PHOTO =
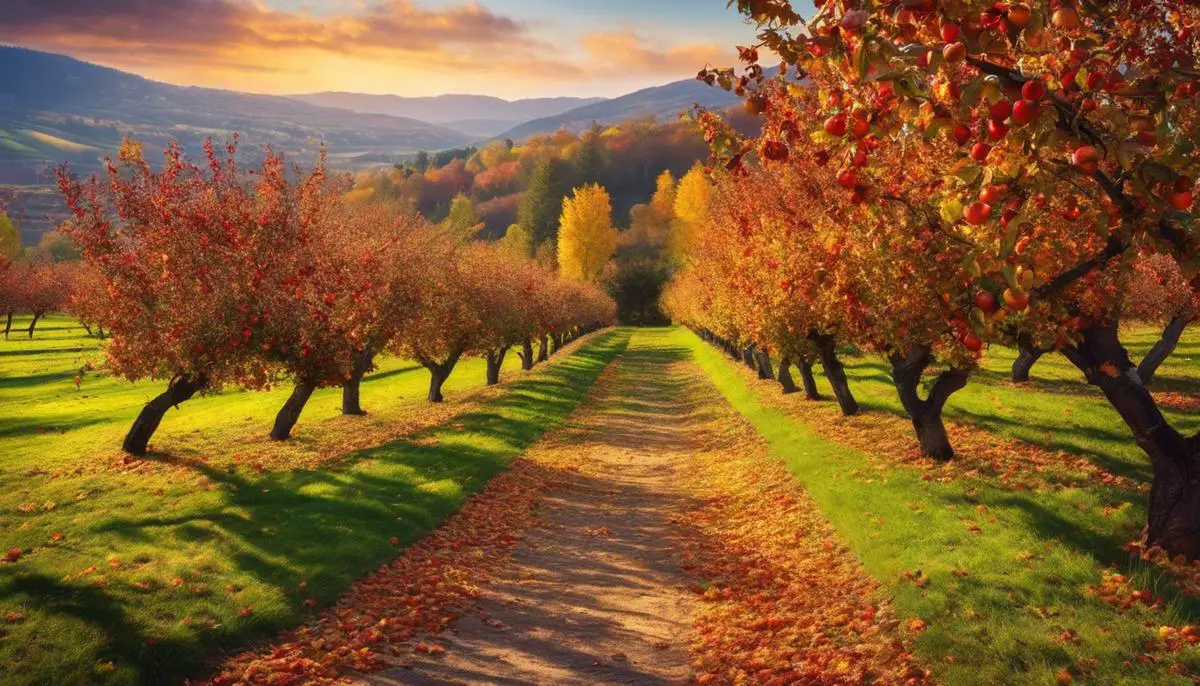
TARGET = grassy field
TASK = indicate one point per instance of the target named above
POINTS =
(1001, 575)
(145, 575)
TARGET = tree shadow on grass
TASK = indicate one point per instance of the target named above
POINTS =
(328, 527)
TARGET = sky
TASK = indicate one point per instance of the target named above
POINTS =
(507, 48)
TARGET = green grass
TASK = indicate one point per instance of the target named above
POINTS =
(236, 538)
(46, 422)
(1027, 570)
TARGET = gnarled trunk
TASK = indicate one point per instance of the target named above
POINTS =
(1027, 356)
(289, 414)
(37, 316)
(835, 372)
(364, 360)
(544, 349)
(926, 414)
(495, 360)
(785, 376)
(762, 359)
(810, 382)
(137, 441)
(526, 354)
(1174, 513)
(1165, 346)
(438, 373)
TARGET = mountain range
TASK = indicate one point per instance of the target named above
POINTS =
(54, 108)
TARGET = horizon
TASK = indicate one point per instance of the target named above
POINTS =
(510, 49)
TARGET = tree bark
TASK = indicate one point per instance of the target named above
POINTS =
(558, 343)
(1026, 358)
(785, 376)
(526, 354)
(495, 360)
(8, 325)
(1165, 346)
(763, 360)
(137, 441)
(810, 382)
(835, 372)
(1174, 512)
(364, 360)
(926, 414)
(289, 414)
(37, 316)
(748, 357)
(544, 349)
(438, 373)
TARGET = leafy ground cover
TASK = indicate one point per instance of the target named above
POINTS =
(1006, 582)
(144, 575)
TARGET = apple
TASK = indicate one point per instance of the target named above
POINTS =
(977, 213)
(1086, 158)
(1034, 90)
(1016, 300)
(950, 32)
(861, 127)
(13, 555)
(962, 134)
(954, 53)
(985, 301)
(1025, 112)
(972, 342)
(994, 193)
(848, 179)
(860, 158)
(1066, 18)
(980, 152)
(836, 125)
(1019, 15)
(1181, 200)
(996, 129)
(1001, 110)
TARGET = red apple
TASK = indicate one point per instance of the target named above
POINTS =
(950, 32)
(978, 213)
(1086, 158)
(985, 301)
(972, 342)
(962, 134)
(1034, 90)
(1001, 110)
(980, 151)
(1025, 112)
(848, 179)
(996, 129)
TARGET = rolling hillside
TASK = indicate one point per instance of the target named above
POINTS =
(475, 115)
(660, 101)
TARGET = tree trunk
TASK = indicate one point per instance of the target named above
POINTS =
(1026, 358)
(137, 441)
(289, 414)
(495, 360)
(438, 373)
(37, 316)
(87, 327)
(1174, 512)
(835, 372)
(526, 354)
(351, 402)
(8, 325)
(810, 382)
(748, 357)
(785, 376)
(1165, 346)
(763, 360)
(544, 349)
(926, 414)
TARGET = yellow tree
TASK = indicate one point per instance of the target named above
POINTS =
(10, 239)
(586, 237)
(692, 198)
(517, 241)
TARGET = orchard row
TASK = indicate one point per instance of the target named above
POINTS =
(209, 275)
(934, 177)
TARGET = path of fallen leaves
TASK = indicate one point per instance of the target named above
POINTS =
(652, 540)
(783, 600)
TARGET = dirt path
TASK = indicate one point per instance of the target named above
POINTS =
(595, 593)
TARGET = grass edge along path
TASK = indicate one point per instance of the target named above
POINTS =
(992, 593)
(275, 546)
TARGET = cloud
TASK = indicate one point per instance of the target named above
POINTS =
(372, 45)
(624, 51)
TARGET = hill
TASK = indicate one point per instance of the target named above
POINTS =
(474, 115)
(660, 101)
(55, 108)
